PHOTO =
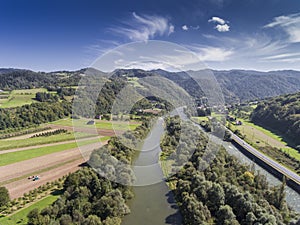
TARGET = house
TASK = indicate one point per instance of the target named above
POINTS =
(238, 123)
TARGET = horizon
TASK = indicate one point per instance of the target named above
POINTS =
(148, 70)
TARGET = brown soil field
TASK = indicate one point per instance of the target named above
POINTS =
(101, 132)
(16, 170)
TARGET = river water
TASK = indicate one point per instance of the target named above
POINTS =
(153, 203)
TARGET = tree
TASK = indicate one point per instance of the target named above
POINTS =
(65, 219)
(113, 221)
(4, 196)
(216, 197)
(92, 220)
(281, 194)
(225, 215)
(34, 218)
(227, 136)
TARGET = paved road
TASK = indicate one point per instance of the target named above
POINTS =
(286, 172)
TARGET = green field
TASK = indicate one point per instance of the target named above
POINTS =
(218, 116)
(199, 119)
(258, 136)
(13, 157)
(100, 124)
(20, 217)
(134, 81)
(11, 144)
(20, 97)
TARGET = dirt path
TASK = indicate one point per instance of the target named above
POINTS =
(44, 145)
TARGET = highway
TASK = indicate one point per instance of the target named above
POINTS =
(283, 170)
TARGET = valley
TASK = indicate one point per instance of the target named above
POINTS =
(61, 146)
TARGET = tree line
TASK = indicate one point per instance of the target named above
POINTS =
(46, 97)
(34, 114)
(13, 79)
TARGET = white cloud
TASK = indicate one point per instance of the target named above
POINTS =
(217, 20)
(185, 27)
(290, 24)
(171, 29)
(223, 28)
(211, 54)
(145, 27)
(282, 56)
(286, 57)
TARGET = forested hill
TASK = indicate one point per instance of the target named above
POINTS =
(243, 85)
(11, 79)
(280, 114)
(237, 85)
(249, 85)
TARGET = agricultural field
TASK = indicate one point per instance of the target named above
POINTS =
(12, 144)
(199, 119)
(18, 156)
(50, 156)
(260, 137)
(99, 124)
(20, 217)
(19, 97)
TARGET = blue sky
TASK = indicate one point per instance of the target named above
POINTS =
(224, 34)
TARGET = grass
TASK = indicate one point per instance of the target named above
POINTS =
(261, 137)
(166, 166)
(10, 144)
(13, 157)
(253, 106)
(218, 116)
(20, 217)
(100, 124)
(20, 97)
(198, 119)
(265, 131)
(134, 81)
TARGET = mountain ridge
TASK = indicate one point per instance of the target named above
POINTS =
(236, 85)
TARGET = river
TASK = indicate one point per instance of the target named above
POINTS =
(154, 203)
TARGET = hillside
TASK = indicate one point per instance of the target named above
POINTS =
(241, 85)
(236, 85)
(12, 79)
(249, 85)
(281, 114)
